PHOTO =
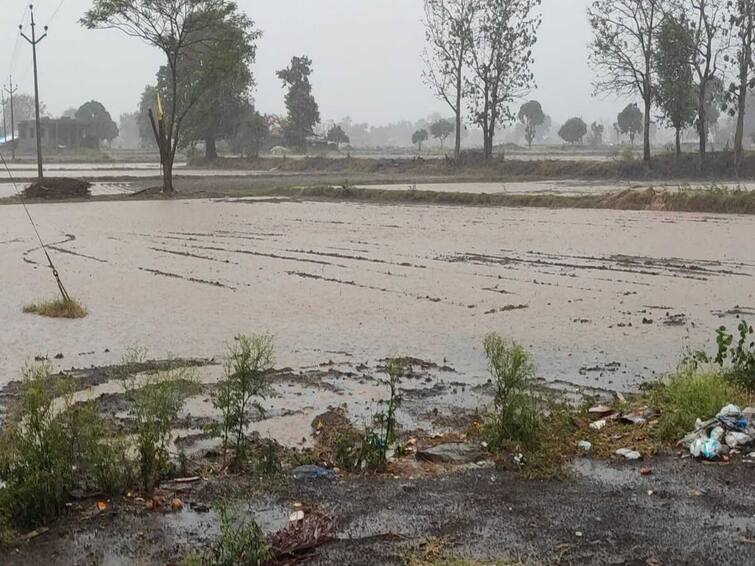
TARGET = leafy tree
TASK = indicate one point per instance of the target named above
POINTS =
(228, 61)
(622, 50)
(596, 134)
(419, 137)
(501, 59)
(303, 111)
(573, 130)
(337, 135)
(146, 133)
(441, 129)
(448, 29)
(531, 115)
(100, 125)
(675, 94)
(128, 130)
(630, 121)
(251, 133)
(183, 30)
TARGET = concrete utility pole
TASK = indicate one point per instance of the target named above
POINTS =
(5, 127)
(11, 90)
(34, 41)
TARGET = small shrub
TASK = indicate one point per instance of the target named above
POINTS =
(241, 542)
(268, 459)
(155, 404)
(736, 360)
(691, 394)
(58, 308)
(247, 380)
(35, 456)
(514, 416)
(379, 437)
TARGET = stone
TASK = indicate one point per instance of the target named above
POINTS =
(452, 453)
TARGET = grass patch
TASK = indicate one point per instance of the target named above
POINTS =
(691, 394)
(58, 308)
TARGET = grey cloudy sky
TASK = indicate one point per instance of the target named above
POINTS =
(366, 53)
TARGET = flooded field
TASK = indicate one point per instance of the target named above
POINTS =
(603, 298)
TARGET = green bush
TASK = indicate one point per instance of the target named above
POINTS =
(691, 394)
(241, 542)
(248, 366)
(35, 455)
(155, 402)
(514, 416)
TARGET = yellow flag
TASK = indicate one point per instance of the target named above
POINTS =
(159, 107)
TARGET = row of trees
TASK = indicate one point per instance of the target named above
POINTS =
(675, 55)
(479, 59)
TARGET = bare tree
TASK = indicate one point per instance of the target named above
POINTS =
(182, 30)
(448, 29)
(504, 32)
(742, 20)
(711, 38)
(622, 50)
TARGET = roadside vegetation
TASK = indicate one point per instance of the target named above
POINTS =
(58, 308)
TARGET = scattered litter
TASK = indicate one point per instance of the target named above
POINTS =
(312, 472)
(629, 454)
(176, 505)
(646, 471)
(602, 410)
(452, 453)
(296, 516)
(102, 505)
(584, 445)
(578, 534)
(732, 428)
(599, 424)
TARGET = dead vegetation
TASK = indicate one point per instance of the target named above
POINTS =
(58, 188)
(58, 308)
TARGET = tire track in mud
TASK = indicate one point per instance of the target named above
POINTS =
(356, 258)
(269, 255)
(187, 278)
(191, 255)
(312, 276)
(656, 267)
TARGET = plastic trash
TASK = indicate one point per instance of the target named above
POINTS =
(597, 425)
(734, 439)
(729, 411)
(629, 454)
(312, 472)
(584, 445)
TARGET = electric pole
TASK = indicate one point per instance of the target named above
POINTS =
(11, 90)
(5, 127)
(34, 41)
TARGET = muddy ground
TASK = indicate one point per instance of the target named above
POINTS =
(686, 512)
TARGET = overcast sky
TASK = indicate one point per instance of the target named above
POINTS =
(366, 55)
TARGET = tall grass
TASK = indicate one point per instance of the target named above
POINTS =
(57, 308)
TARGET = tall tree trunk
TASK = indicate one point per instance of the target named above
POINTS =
(210, 149)
(646, 136)
(678, 143)
(168, 173)
(744, 71)
(459, 87)
(702, 123)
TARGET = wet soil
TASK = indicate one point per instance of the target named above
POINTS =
(685, 512)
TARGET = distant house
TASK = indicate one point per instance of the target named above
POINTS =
(56, 133)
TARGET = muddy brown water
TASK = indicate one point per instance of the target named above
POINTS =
(354, 282)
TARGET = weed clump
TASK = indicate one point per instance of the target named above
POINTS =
(514, 416)
(690, 394)
(246, 382)
(48, 448)
(155, 402)
(58, 308)
(241, 542)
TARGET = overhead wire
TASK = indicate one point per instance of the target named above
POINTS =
(55, 274)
